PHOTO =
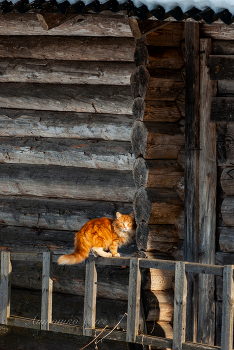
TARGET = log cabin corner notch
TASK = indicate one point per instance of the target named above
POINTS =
(89, 99)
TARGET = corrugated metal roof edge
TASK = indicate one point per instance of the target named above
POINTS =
(142, 12)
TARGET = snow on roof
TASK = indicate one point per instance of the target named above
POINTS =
(207, 10)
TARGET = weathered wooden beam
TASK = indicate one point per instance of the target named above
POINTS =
(148, 26)
(227, 210)
(171, 36)
(222, 47)
(221, 67)
(222, 109)
(226, 239)
(158, 111)
(179, 306)
(227, 312)
(68, 48)
(47, 288)
(81, 25)
(65, 72)
(227, 182)
(157, 140)
(191, 175)
(156, 206)
(67, 152)
(165, 57)
(66, 182)
(160, 89)
(52, 214)
(51, 20)
(5, 290)
(133, 300)
(89, 318)
(207, 199)
(156, 173)
(26, 122)
(217, 31)
(73, 98)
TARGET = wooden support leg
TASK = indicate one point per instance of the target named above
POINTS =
(5, 291)
(47, 287)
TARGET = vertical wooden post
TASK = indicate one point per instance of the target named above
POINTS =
(90, 296)
(47, 287)
(5, 291)
(191, 180)
(134, 290)
(180, 297)
(228, 306)
(207, 199)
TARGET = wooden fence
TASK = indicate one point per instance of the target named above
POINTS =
(131, 335)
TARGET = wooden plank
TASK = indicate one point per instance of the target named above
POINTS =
(156, 173)
(193, 346)
(163, 89)
(98, 154)
(73, 98)
(222, 47)
(207, 199)
(65, 72)
(26, 122)
(191, 172)
(68, 48)
(90, 297)
(27, 257)
(5, 290)
(23, 322)
(171, 35)
(47, 288)
(154, 341)
(66, 182)
(154, 140)
(164, 57)
(65, 328)
(133, 301)
(222, 109)
(228, 305)
(221, 67)
(81, 25)
(156, 206)
(63, 214)
(217, 31)
(179, 306)
(158, 111)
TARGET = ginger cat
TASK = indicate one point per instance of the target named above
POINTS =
(100, 235)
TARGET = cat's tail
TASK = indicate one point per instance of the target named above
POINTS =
(74, 258)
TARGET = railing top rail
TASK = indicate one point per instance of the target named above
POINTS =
(216, 270)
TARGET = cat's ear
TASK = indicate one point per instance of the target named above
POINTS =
(118, 215)
(132, 215)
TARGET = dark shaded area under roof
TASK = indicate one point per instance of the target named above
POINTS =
(143, 13)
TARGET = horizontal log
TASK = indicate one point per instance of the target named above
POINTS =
(23, 123)
(221, 67)
(112, 281)
(157, 140)
(170, 35)
(66, 182)
(218, 31)
(224, 258)
(157, 206)
(226, 239)
(74, 98)
(164, 57)
(222, 47)
(163, 89)
(227, 181)
(52, 214)
(227, 210)
(65, 72)
(167, 74)
(82, 25)
(67, 152)
(156, 173)
(68, 48)
(222, 109)
(158, 111)
(156, 237)
(225, 88)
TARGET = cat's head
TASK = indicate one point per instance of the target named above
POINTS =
(125, 223)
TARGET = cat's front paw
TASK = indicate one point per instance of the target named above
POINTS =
(108, 255)
(117, 255)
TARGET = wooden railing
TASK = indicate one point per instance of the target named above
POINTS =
(131, 335)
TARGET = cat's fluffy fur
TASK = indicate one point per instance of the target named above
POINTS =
(99, 236)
